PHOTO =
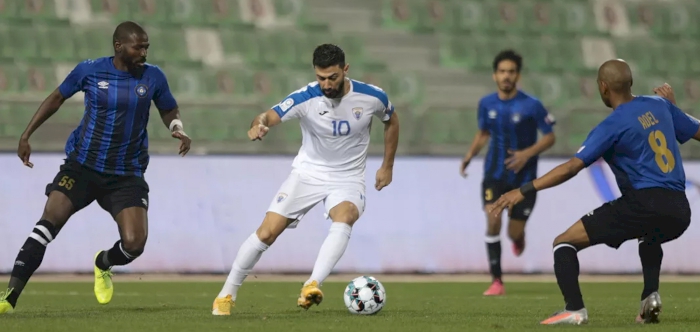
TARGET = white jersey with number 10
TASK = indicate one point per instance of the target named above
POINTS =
(335, 132)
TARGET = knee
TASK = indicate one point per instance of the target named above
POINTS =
(134, 244)
(58, 209)
(266, 235)
(272, 226)
(349, 217)
(516, 235)
(346, 213)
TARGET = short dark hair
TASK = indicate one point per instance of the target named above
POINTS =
(328, 55)
(125, 30)
(508, 55)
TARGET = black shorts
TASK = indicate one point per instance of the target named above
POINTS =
(114, 193)
(491, 190)
(653, 215)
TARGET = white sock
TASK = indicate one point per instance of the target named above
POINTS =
(250, 252)
(332, 249)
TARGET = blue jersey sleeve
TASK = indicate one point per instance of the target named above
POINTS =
(599, 140)
(162, 97)
(74, 81)
(482, 113)
(545, 121)
(685, 125)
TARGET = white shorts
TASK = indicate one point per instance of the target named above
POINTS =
(300, 193)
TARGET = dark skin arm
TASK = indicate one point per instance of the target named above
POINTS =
(168, 116)
(391, 143)
(47, 108)
(555, 177)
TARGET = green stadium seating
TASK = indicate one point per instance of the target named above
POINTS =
(118, 10)
(261, 63)
(579, 123)
(56, 42)
(9, 79)
(577, 17)
(37, 11)
(447, 126)
(542, 16)
(37, 78)
(93, 42)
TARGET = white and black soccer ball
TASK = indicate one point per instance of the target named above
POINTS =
(365, 296)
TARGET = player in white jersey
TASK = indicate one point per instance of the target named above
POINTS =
(335, 114)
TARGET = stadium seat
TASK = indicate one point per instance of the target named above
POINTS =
(231, 82)
(402, 14)
(38, 78)
(93, 42)
(15, 117)
(579, 123)
(542, 16)
(37, 11)
(639, 53)
(168, 44)
(158, 12)
(471, 16)
(9, 79)
(448, 126)
(23, 40)
(653, 16)
(118, 10)
(56, 42)
(191, 82)
(508, 16)
(577, 17)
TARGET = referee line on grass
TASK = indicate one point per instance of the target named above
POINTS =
(393, 278)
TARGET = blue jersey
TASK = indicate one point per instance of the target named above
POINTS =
(112, 136)
(513, 125)
(638, 141)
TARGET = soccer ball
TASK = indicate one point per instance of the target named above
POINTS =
(365, 296)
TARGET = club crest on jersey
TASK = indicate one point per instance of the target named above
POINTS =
(516, 118)
(357, 112)
(281, 197)
(141, 90)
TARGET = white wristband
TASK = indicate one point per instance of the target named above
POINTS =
(174, 123)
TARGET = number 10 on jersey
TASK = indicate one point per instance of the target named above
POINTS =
(341, 128)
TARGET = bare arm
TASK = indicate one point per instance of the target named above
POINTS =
(391, 140)
(542, 145)
(47, 108)
(559, 174)
(262, 123)
(269, 118)
(480, 140)
(169, 115)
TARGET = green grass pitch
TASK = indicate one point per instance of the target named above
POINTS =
(271, 306)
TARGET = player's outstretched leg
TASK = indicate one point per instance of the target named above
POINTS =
(344, 215)
(56, 213)
(493, 248)
(248, 255)
(566, 269)
(133, 228)
(651, 254)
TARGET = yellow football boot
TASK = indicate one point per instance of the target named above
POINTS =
(5, 307)
(103, 284)
(310, 295)
(222, 306)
